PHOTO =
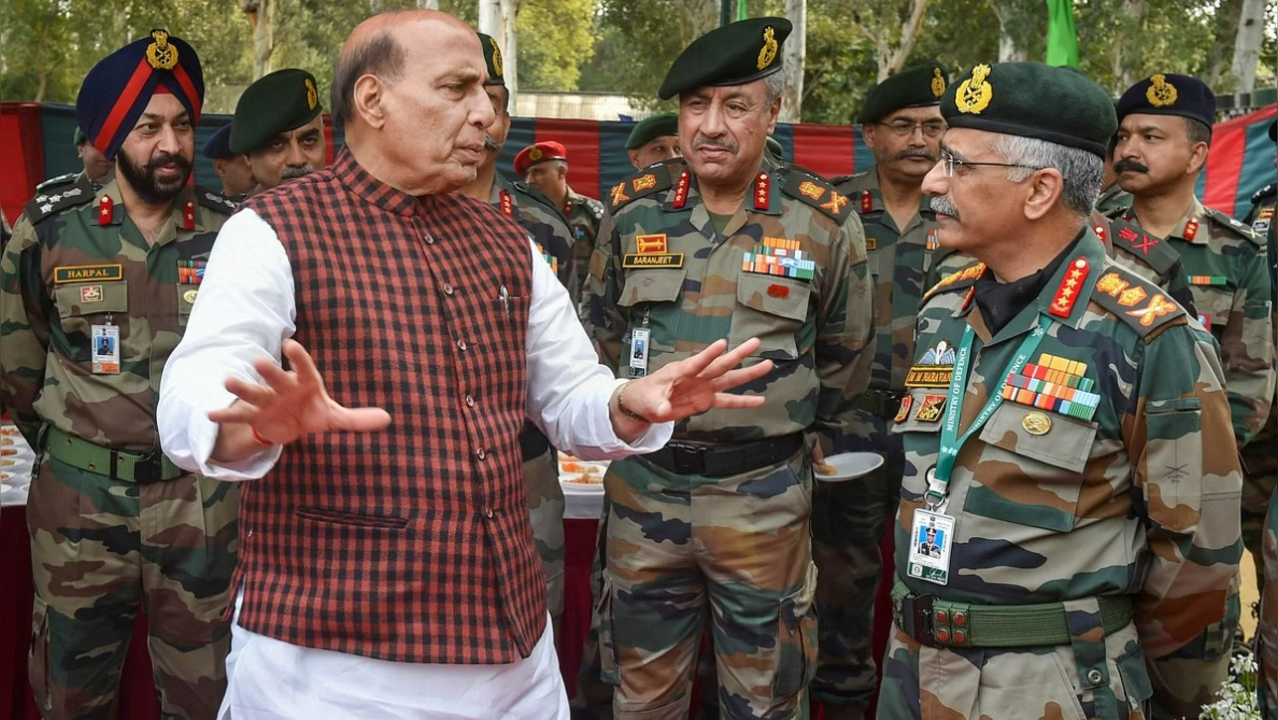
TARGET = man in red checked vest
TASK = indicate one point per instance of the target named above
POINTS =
(95, 292)
(392, 572)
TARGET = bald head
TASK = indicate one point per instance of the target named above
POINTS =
(408, 90)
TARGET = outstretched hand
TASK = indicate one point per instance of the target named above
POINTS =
(293, 403)
(697, 384)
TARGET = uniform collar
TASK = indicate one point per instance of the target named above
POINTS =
(763, 197)
(868, 197)
(108, 205)
(1190, 228)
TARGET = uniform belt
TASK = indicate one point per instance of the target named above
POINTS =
(940, 623)
(883, 403)
(139, 468)
(723, 460)
(533, 443)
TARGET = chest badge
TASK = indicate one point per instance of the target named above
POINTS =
(1036, 423)
(930, 409)
(1056, 384)
(934, 369)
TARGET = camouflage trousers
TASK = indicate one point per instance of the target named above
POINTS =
(1267, 628)
(1093, 677)
(677, 544)
(1260, 477)
(848, 520)
(546, 510)
(171, 546)
(1191, 677)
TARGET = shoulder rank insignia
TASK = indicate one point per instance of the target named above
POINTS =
(1067, 293)
(1222, 220)
(966, 277)
(1261, 194)
(56, 181)
(506, 204)
(1159, 255)
(818, 193)
(45, 204)
(648, 181)
(214, 200)
(1140, 304)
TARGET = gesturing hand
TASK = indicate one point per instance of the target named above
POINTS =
(697, 384)
(293, 403)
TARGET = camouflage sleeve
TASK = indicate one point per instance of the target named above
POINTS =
(1189, 481)
(1267, 629)
(1247, 351)
(607, 317)
(25, 310)
(845, 329)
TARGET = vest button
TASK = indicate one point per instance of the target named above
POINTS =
(461, 344)
(470, 401)
(488, 513)
(448, 289)
(481, 454)
(430, 239)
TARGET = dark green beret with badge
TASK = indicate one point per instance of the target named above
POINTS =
(914, 86)
(651, 128)
(734, 54)
(1170, 94)
(1056, 104)
(281, 101)
(492, 58)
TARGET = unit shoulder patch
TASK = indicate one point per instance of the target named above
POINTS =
(1153, 251)
(215, 201)
(818, 192)
(45, 205)
(649, 181)
(960, 279)
(1137, 302)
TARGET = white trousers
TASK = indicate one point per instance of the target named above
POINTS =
(273, 680)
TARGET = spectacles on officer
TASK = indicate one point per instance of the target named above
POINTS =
(949, 162)
(904, 128)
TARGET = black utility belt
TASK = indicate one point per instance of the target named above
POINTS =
(686, 458)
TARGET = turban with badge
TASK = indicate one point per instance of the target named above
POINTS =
(914, 86)
(734, 54)
(1170, 94)
(281, 101)
(1056, 104)
(117, 89)
(493, 59)
(218, 146)
(539, 153)
(651, 128)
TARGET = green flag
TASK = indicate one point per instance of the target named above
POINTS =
(1062, 40)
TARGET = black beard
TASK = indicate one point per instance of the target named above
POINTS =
(143, 180)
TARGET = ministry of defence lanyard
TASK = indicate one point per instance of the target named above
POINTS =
(938, 478)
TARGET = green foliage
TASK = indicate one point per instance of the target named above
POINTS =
(556, 38)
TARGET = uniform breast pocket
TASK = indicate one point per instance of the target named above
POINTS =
(1214, 305)
(772, 309)
(1049, 452)
(187, 295)
(652, 297)
(82, 306)
(919, 419)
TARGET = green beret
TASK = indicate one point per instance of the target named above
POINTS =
(912, 87)
(492, 57)
(80, 137)
(281, 101)
(651, 128)
(1056, 104)
(734, 54)
(1170, 94)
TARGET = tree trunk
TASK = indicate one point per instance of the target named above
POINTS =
(1247, 46)
(793, 59)
(909, 33)
(1225, 28)
(1009, 48)
(259, 14)
(1134, 17)
(510, 49)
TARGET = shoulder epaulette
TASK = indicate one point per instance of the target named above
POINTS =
(44, 205)
(840, 179)
(1231, 224)
(1264, 192)
(1154, 251)
(960, 279)
(215, 200)
(649, 181)
(1116, 212)
(537, 197)
(816, 191)
(56, 181)
(1139, 303)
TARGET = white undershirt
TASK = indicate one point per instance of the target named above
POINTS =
(246, 310)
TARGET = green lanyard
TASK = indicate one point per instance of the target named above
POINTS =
(939, 477)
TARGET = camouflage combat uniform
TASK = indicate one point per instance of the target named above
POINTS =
(547, 229)
(848, 518)
(1067, 527)
(584, 215)
(1260, 464)
(1113, 198)
(726, 532)
(112, 521)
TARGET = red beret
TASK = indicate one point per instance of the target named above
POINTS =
(539, 153)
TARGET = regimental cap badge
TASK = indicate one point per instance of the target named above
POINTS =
(975, 93)
(534, 154)
(160, 54)
(938, 83)
(769, 51)
(312, 94)
(497, 62)
(1160, 92)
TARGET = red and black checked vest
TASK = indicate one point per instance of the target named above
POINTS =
(412, 544)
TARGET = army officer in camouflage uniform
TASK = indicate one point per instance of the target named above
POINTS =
(726, 244)
(95, 291)
(902, 125)
(547, 229)
(279, 127)
(1077, 466)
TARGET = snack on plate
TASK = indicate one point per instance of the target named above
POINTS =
(7, 462)
(5, 476)
(8, 451)
(823, 469)
(572, 467)
(11, 431)
(6, 441)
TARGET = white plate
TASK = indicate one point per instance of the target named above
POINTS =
(6, 487)
(850, 466)
(572, 488)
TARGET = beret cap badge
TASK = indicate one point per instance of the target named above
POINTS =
(497, 61)
(534, 154)
(938, 83)
(160, 54)
(1160, 92)
(312, 94)
(975, 93)
(769, 51)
